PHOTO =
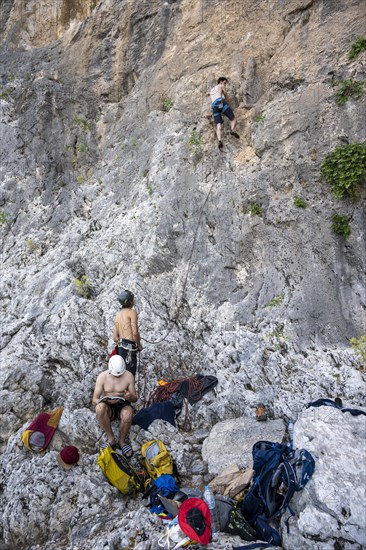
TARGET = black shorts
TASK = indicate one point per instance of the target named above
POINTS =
(220, 107)
(129, 357)
(116, 408)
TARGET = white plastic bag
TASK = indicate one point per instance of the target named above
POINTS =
(174, 537)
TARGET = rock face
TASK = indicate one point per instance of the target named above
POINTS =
(329, 509)
(111, 178)
(231, 442)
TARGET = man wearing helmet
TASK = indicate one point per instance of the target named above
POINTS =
(126, 333)
(113, 394)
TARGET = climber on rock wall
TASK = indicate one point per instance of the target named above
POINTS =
(219, 107)
(126, 333)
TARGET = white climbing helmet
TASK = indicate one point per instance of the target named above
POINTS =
(116, 365)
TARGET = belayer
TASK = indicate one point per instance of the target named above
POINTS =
(126, 333)
(221, 107)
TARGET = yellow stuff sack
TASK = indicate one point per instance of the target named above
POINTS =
(118, 471)
(156, 459)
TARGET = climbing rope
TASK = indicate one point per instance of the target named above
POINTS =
(173, 320)
(175, 317)
(164, 393)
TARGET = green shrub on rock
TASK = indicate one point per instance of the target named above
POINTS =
(341, 225)
(276, 301)
(255, 209)
(345, 169)
(300, 202)
(359, 346)
(83, 287)
(357, 47)
(348, 89)
(167, 104)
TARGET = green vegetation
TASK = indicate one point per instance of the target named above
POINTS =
(300, 203)
(5, 94)
(80, 179)
(348, 89)
(255, 209)
(195, 139)
(83, 287)
(305, 19)
(82, 123)
(276, 301)
(194, 144)
(341, 225)
(277, 333)
(134, 143)
(82, 148)
(4, 217)
(357, 47)
(260, 118)
(279, 339)
(93, 5)
(32, 246)
(167, 104)
(149, 188)
(344, 169)
(284, 223)
(359, 347)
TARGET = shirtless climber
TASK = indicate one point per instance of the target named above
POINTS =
(126, 333)
(219, 107)
(113, 394)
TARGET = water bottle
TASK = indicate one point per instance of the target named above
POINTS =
(209, 498)
(291, 433)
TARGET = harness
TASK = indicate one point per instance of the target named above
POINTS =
(218, 103)
(127, 344)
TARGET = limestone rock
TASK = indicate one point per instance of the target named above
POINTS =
(231, 442)
(330, 508)
(111, 179)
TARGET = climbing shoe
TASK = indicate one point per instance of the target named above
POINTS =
(220, 145)
(234, 134)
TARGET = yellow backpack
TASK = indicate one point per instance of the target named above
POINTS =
(118, 470)
(156, 459)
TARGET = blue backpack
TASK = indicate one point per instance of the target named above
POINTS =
(280, 471)
(164, 485)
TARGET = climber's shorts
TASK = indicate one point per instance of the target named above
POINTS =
(115, 409)
(220, 107)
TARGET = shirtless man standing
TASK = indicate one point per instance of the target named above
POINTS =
(126, 333)
(219, 107)
(113, 394)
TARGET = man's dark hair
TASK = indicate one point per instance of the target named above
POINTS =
(222, 79)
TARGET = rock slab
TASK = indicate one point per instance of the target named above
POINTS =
(231, 441)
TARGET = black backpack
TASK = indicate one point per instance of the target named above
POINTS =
(280, 471)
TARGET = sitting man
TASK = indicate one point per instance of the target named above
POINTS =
(126, 333)
(113, 394)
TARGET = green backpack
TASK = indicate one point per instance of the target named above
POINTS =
(156, 459)
(118, 470)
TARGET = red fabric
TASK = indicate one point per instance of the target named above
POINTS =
(40, 431)
(184, 525)
(70, 454)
